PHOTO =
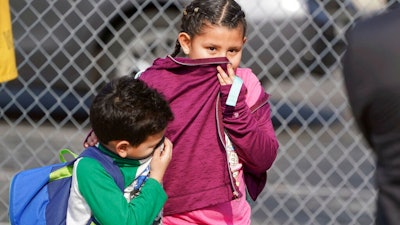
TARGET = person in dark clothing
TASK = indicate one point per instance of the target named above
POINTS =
(371, 71)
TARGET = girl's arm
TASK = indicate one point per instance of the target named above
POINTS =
(252, 133)
(90, 140)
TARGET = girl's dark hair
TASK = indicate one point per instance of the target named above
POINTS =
(227, 13)
(127, 109)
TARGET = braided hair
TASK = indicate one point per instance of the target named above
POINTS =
(198, 13)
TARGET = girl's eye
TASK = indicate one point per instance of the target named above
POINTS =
(211, 48)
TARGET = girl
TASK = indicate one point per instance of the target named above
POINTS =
(223, 136)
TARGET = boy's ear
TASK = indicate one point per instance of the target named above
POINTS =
(121, 148)
(184, 41)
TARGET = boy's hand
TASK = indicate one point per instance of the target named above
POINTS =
(223, 77)
(160, 160)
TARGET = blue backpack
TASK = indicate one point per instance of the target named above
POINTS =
(39, 196)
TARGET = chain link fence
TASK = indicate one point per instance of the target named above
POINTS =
(66, 50)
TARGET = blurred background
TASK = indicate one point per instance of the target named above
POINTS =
(66, 50)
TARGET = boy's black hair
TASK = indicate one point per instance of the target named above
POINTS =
(127, 109)
(198, 13)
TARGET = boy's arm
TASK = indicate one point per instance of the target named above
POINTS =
(107, 202)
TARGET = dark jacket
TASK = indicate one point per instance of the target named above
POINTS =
(371, 68)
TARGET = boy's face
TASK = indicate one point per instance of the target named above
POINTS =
(217, 41)
(146, 148)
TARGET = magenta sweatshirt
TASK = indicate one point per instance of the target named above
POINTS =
(198, 175)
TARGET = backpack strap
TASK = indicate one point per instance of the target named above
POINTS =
(64, 152)
(107, 162)
(109, 165)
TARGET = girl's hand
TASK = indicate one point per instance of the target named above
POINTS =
(223, 77)
(91, 139)
(160, 161)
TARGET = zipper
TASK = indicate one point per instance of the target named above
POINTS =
(253, 109)
(261, 104)
(231, 179)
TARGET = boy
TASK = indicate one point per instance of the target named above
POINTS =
(129, 120)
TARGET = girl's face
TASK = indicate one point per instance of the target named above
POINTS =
(215, 41)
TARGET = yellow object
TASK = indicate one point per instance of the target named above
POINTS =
(8, 67)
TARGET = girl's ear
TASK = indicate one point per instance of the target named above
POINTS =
(121, 148)
(184, 41)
